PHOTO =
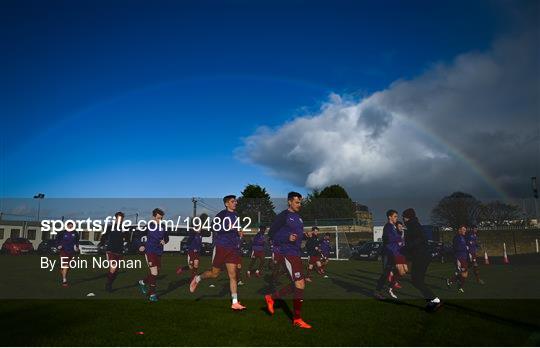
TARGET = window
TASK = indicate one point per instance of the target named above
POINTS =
(15, 232)
(45, 235)
(85, 235)
(31, 234)
(1, 233)
(97, 236)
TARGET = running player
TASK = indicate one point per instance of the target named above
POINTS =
(399, 259)
(472, 244)
(67, 242)
(287, 232)
(314, 253)
(194, 243)
(239, 265)
(461, 253)
(325, 253)
(226, 251)
(389, 238)
(113, 238)
(156, 238)
(257, 252)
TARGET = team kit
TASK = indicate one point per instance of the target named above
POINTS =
(285, 237)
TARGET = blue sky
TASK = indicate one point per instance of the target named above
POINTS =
(152, 99)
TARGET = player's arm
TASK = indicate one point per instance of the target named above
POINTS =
(278, 222)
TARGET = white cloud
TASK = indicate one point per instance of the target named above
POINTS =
(406, 139)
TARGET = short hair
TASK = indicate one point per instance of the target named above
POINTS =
(262, 228)
(327, 234)
(157, 211)
(228, 198)
(391, 212)
(474, 226)
(119, 213)
(462, 225)
(314, 228)
(293, 194)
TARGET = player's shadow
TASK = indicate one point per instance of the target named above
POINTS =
(96, 277)
(491, 317)
(222, 293)
(174, 285)
(280, 304)
(350, 287)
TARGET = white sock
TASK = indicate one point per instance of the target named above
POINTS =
(436, 300)
(234, 298)
(197, 278)
(64, 280)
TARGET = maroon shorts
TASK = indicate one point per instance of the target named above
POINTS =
(462, 264)
(114, 256)
(65, 257)
(192, 256)
(293, 265)
(277, 258)
(257, 254)
(223, 256)
(313, 259)
(400, 260)
(153, 260)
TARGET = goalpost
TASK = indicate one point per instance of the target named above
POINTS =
(339, 240)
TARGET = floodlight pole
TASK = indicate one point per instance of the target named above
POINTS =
(535, 197)
(39, 197)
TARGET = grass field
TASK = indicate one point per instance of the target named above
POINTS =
(35, 310)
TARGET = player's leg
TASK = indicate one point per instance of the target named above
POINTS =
(194, 268)
(64, 267)
(293, 265)
(218, 261)
(184, 268)
(252, 262)
(260, 264)
(239, 274)
(232, 271)
(112, 273)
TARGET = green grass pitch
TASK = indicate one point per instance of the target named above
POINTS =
(35, 310)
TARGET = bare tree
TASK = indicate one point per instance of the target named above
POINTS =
(499, 213)
(457, 209)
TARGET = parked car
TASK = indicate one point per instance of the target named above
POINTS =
(369, 251)
(207, 248)
(87, 247)
(47, 247)
(102, 247)
(439, 251)
(358, 245)
(17, 246)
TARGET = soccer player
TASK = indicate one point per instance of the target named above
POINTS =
(325, 253)
(156, 238)
(472, 244)
(257, 252)
(67, 242)
(114, 237)
(461, 253)
(239, 265)
(399, 258)
(287, 232)
(314, 253)
(194, 243)
(390, 237)
(417, 252)
(226, 250)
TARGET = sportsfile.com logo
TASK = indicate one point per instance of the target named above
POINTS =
(189, 223)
